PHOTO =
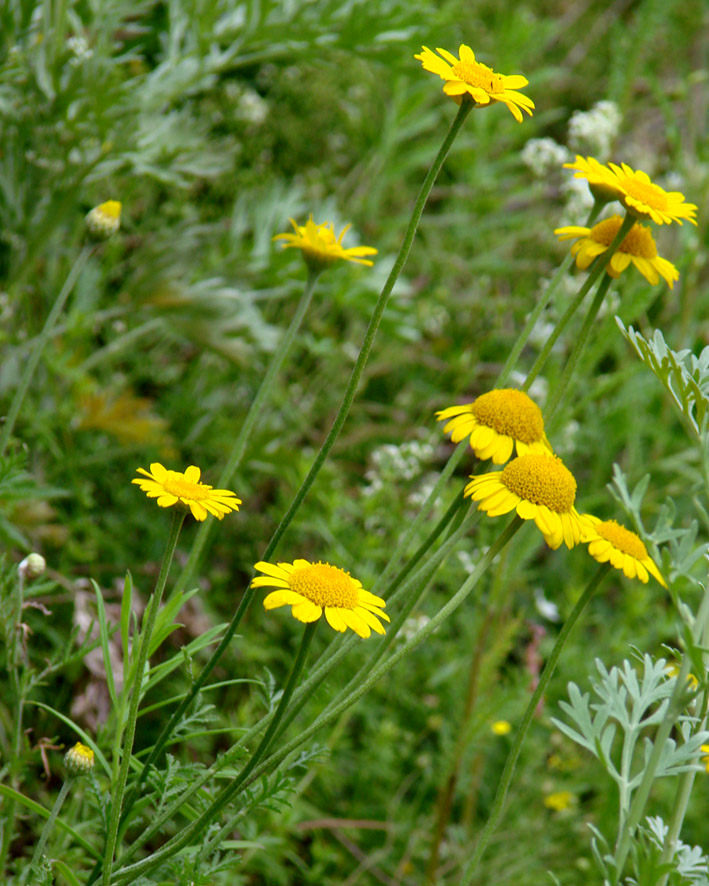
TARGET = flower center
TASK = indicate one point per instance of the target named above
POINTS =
(175, 484)
(325, 585)
(542, 480)
(510, 412)
(621, 538)
(647, 192)
(477, 74)
(638, 241)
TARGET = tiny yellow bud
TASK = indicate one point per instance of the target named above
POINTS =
(79, 760)
(104, 220)
(501, 727)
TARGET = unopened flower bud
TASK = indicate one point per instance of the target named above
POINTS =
(104, 219)
(32, 566)
(79, 760)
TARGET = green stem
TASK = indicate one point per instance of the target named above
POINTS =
(536, 313)
(335, 709)
(49, 823)
(142, 660)
(506, 777)
(253, 415)
(598, 268)
(362, 358)
(579, 345)
(43, 338)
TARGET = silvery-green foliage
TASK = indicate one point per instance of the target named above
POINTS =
(628, 703)
(688, 865)
(685, 376)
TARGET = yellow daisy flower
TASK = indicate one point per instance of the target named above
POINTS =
(538, 487)
(171, 487)
(602, 182)
(560, 800)
(501, 727)
(498, 422)
(608, 541)
(320, 246)
(466, 76)
(641, 196)
(310, 588)
(637, 247)
(672, 670)
(705, 760)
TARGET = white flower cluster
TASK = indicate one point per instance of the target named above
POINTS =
(391, 464)
(80, 49)
(542, 155)
(594, 131)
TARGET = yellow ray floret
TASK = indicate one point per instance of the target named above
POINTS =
(637, 248)
(609, 542)
(173, 487)
(497, 423)
(313, 588)
(538, 487)
(321, 248)
(467, 76)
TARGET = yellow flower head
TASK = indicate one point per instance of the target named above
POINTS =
(466, 76)
(672, 670)
(637, 247)
(501, 727)
(646, 200)
(603, 184)
(171, 487)
(498, 422)
(705, 760)
(608, 541)
(560, 800)
(104, 220)
(79, 760)
(309, 588)
(321, 248)
(538, 487)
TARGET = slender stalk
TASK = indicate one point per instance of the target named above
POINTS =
(507, 773)
(178, 517)
(252, 416)
(42, 339)
(49, 823)
(336, 708)
(362, 358)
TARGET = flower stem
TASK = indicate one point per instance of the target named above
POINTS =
(362, 358)
(507, 773)
(255, 411)
(142, 659)
(42, 339)
(49, 823)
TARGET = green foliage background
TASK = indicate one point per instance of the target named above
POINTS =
(213, 123)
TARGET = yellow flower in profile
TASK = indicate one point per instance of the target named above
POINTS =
(321, 248)
(501, 727)
(498, 422)
(538, 487)
(608, 541)
(171, 487)
(104, 220)
(672, 670)
(705, 760)
(79, 759)
(466, 76)
(601, 180)
(309, 588)
(560, 800)
(644, 199)
(637, 247)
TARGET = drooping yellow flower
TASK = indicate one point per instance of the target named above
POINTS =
(79, 759)
(560, 800)
(635, 190)
(171, 487)
(498, 422)
(309, 588)
(501, 727)
(608, 541)
(466, 76)
(104, 220)
(644, 199)
(538, 487)
(321, 248)
(637, 247)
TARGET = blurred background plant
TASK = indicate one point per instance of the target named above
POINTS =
(212, 123)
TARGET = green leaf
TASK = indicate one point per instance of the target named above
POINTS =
(103, 633)
(85, 738)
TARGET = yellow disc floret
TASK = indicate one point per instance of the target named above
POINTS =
(510, 412)
(621, 538)
(541, 480)
(325, 585)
